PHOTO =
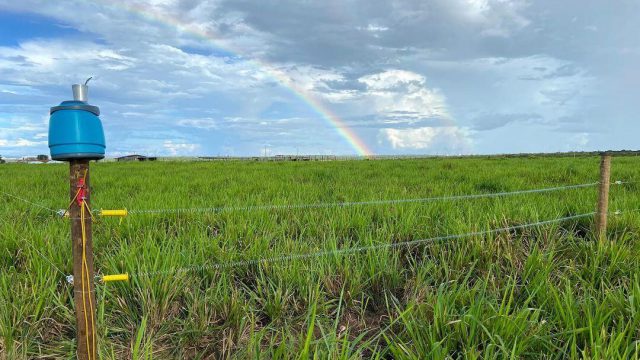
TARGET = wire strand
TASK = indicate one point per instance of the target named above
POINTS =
(335, 204)
(45, 258)
(357, 203)
(351, 250)
(27, 201)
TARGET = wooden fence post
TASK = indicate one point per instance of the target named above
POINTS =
(603, 195)
(83, 275)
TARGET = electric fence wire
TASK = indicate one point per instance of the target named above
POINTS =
(339, 251)
(357, 203)
(62, 212)
(28, 201)
(46, 259)
(291, 257)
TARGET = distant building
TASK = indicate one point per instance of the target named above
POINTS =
(136, 157)
(35, 159)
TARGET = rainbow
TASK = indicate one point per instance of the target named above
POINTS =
(305, 96)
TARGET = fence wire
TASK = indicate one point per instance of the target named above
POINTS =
(351, 250)
(46, 259)
(344, 251)
(357, 203)
(219, 209)
(27, 201)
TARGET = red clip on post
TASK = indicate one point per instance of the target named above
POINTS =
(82, 192)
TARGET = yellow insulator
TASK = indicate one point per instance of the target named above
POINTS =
(121, 213)
(117, 277)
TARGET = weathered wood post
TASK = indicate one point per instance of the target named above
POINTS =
(76, 136)
(603, 195)
(83, 272)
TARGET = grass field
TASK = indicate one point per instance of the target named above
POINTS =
(548, 292)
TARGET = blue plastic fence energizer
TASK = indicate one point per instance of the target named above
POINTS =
(75, 130)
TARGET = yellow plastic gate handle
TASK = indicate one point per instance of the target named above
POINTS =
(117, 277)
(121, 213)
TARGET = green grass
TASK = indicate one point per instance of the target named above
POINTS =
(548, 292)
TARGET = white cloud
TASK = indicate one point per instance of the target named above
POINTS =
(180, 148)
(450, 139)
(401, 94)
(376, 28)
(390, 96)
(392, 79)
(316, 81)
(159, 84)
(495, 18)
(36, 62)
(205, 123)
(548, 87)
(579, 141)
(20, 143)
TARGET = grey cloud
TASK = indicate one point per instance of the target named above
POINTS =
(493, 121)
(578, 123)
(559, 97)
(566, 70)
(338, 35)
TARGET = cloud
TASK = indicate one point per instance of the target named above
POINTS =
(493, 18)
(374, 28)
(20, 143)
(205, 123)
(578, 125)
(448, 139)
(182, 148)
(35, 62)
(394, 65)
(159, 84)
(327, 84)
(493, 121)
(392, 96)
(492, 92)
(362, 31)
(401, 94)
(580, 140)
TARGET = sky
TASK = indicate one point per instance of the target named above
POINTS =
(348, 77)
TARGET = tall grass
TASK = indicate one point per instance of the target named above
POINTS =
(552, 291)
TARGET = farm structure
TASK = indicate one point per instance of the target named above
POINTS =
(136, 157)
(35, 159)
